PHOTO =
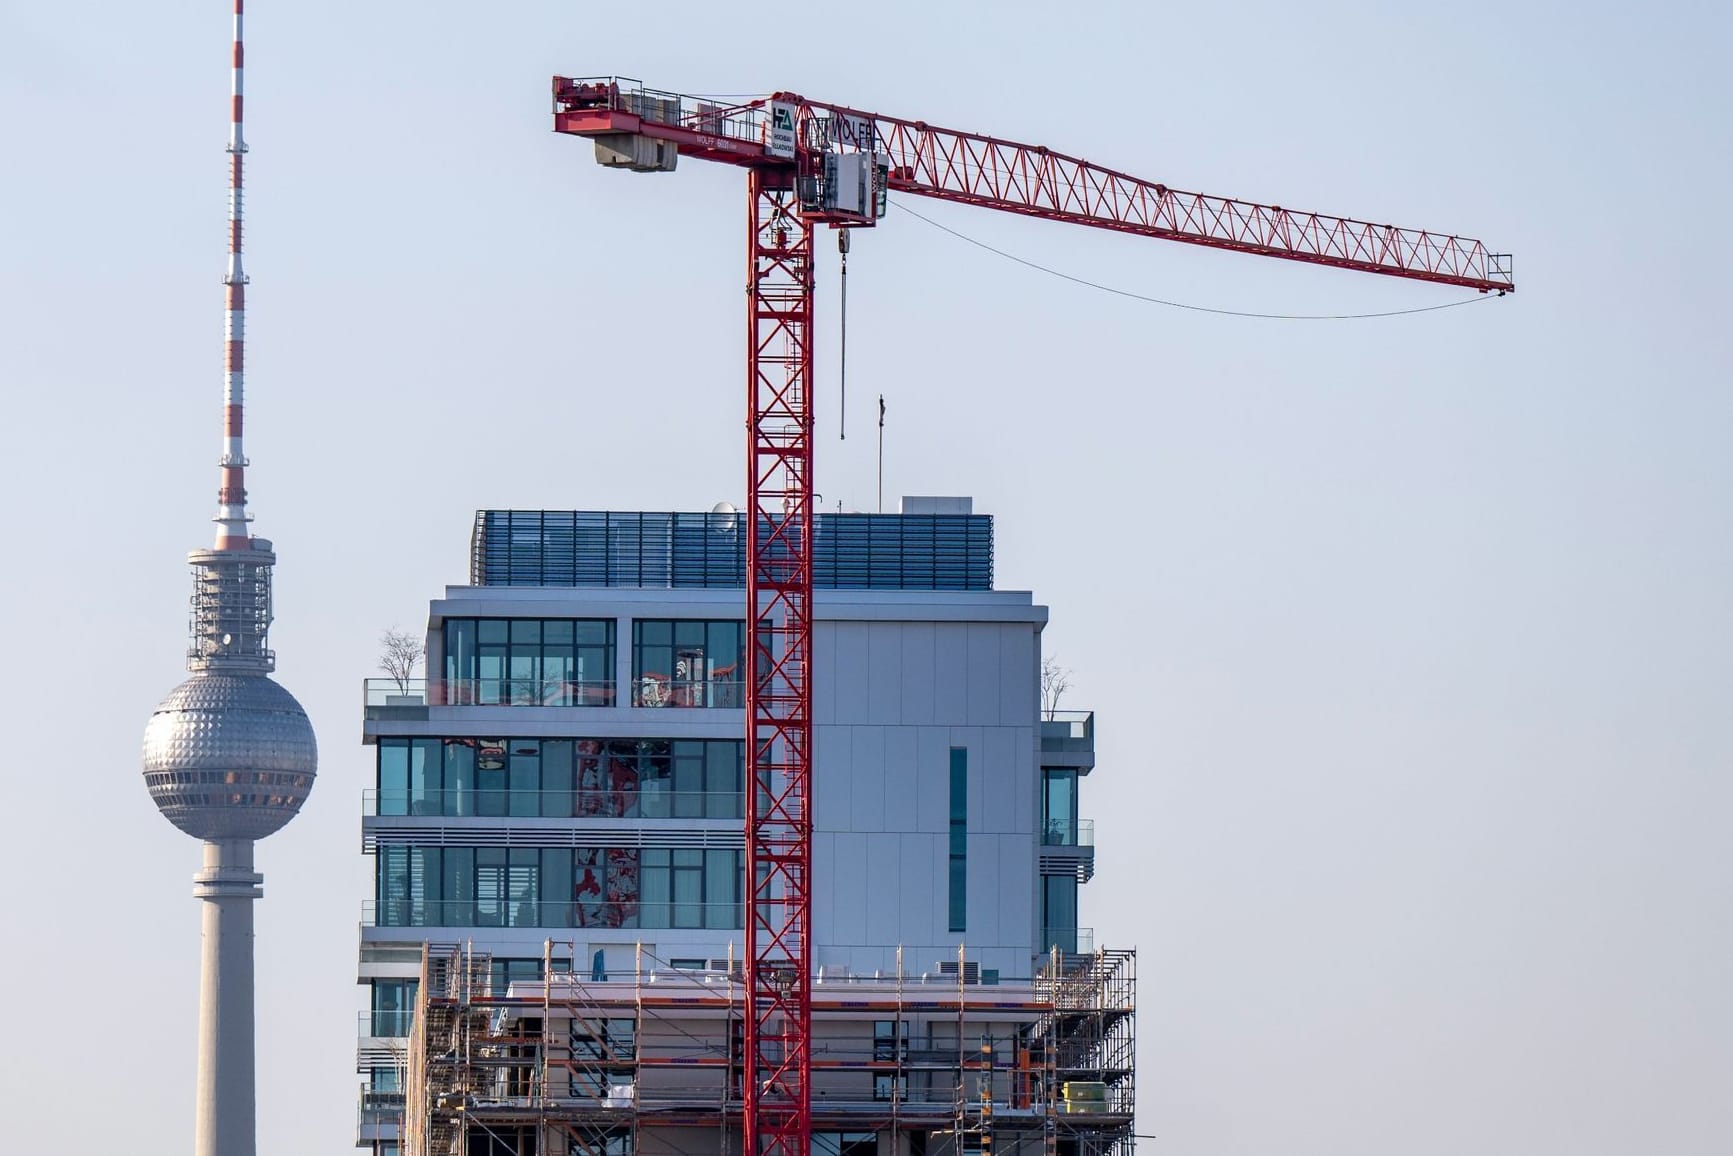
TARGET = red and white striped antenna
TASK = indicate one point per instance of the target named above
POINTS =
(232, 516)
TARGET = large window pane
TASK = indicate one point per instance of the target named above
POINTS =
(459, 901)
(459, 777)
(1059, 808)
(490, 886)
(393, 777)
(523, 883)
(530, 661)
(459, 652)
(556, 896)
(426, 772)
(1059, 912)
(556, 798)
(525, 777)
(721, 887)
(687, 662)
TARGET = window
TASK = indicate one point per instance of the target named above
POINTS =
(688, 662)
(692, 887)
(1059, 807)
(959, 875)
(558, 887)
(605, 887)
(890, 1040)
(529, 661)
(502, 973)
(393, 1008)
(1059, 913)
(889, 1087)
(562, 778)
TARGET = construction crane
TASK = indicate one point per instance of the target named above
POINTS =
(809, 163)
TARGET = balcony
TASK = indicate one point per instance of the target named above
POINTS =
(1068, 848)
(410, 697)
(577, 804)
(384, 1025)
(379, 1116)
(1069, 940)
(1068, 739)
(1059, 833)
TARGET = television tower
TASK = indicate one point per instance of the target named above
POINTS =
(229, 755)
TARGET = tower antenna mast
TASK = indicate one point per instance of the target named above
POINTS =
(232, 517)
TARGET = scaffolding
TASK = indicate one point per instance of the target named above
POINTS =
(949, 1062)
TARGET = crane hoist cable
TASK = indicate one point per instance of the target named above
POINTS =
(1117, 292)
(842, 343)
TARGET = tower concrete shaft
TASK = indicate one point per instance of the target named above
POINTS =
(223, 1114)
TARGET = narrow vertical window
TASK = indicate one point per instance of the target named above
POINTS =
(959, 839)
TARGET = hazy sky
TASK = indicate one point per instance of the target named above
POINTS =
(1409, 638)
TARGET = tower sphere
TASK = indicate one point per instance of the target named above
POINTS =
(229, 756)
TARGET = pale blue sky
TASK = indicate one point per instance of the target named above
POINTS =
(1409, 638)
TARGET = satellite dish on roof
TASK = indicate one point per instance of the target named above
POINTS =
(723, 517)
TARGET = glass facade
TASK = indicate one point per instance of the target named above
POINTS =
(959, 874)
(562, 778)
(1059, 912)
(529, 662)
(688, 662)
(393, 1007)
(558, 887)
(1059, 807)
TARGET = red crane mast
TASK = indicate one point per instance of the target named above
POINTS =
(810, 163)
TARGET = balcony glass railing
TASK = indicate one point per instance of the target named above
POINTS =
(392, 1024)
(652, 691)
(1059, 833)
(388, 692)
(1069, 940)
(532, 913)
(380, 1109)
(580, 804)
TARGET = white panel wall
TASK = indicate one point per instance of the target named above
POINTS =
(901, 695)
(867, 782)
(919, 673)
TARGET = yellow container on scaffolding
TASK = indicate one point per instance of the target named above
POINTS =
(1084, 1097)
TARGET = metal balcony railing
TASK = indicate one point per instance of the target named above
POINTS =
(577, 804)
(390, 692)
(582, 912)
(1063, 833)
